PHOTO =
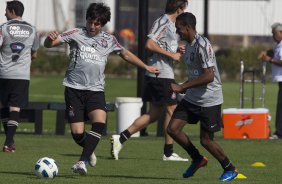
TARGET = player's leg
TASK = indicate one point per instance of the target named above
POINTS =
(17, 98)
(5, 117)
(182, 115)
(210, 123)
(75, 114)
(169, 154)
(141, 122)
(229, 170)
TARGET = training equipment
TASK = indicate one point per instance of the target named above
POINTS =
(79, 168)
(246, 123)
(174, 157)
(228, 175)
(116, 146)
(46, 168)
(128, 109)
(195, 165)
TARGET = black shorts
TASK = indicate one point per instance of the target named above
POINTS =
(157, 91)
(80, 102)
(210, 117)
(14, 92)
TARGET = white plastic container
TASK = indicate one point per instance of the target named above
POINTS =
(128, 109)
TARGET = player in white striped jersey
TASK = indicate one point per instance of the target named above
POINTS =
(163, 44)
(84, 78)
(18, 45)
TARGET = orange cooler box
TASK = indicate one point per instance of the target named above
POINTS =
(246, 123)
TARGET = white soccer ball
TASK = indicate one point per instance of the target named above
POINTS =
(46, 168)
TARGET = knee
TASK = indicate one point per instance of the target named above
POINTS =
(205, 142)
(172, 131)
(79, 137)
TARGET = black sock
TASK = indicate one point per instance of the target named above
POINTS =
(124, 136)
(193, 152)
(92, 140)
(227, 165)
(12, 125)
(168, 150)
(79, 138)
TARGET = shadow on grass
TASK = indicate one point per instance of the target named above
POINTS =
(138, 177)
(31, 175)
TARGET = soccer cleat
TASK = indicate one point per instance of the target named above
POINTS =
(9, 149)
(116, 146)
(195, 165)
(274, 137)
(93, 160)
(228, 175)
(79, 168)
(174, 157)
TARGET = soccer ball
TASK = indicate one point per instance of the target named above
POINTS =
(46, 168)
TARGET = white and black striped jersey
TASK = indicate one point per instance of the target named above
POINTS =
(88, 58)
(198, 55)
(163, 32)
(17, 39)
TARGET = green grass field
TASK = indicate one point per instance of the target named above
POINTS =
(140, 160)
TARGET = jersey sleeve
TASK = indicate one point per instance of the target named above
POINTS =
(116, 47)
(206, 55)
(36, 42)
(157, 31)
(1, 35)
(67, 36)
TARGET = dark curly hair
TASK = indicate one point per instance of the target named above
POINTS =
(99, 12)
(17, 6)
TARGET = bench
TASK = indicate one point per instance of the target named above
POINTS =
(33, 113)
(61, 117)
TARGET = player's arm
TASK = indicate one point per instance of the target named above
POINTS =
(33, 55)
(52, 40)
(152, 46)
(206, 77)
(131, 58)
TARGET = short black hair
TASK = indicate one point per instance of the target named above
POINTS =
(17, 6)
(99, 12)
(173, 5)
(185, 19)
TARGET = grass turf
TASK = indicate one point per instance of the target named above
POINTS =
(140, 160)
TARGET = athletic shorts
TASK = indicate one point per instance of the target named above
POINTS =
(158, 91)
(14, 92)
(209, 117)
(80, 102)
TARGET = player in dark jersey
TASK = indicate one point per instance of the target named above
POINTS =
(18, 45)
(202, 100)
(163, 43)
(84, 79)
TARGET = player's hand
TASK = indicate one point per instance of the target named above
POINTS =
(181, 49)
(264, 57)
(152, 69)
(176, 56)
(53, 35)
(176, 88)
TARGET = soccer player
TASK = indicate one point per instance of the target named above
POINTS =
(163, 43)
(202, 100)
(84, 79)
(18, 46)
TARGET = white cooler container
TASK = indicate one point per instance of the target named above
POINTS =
(128, 109)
